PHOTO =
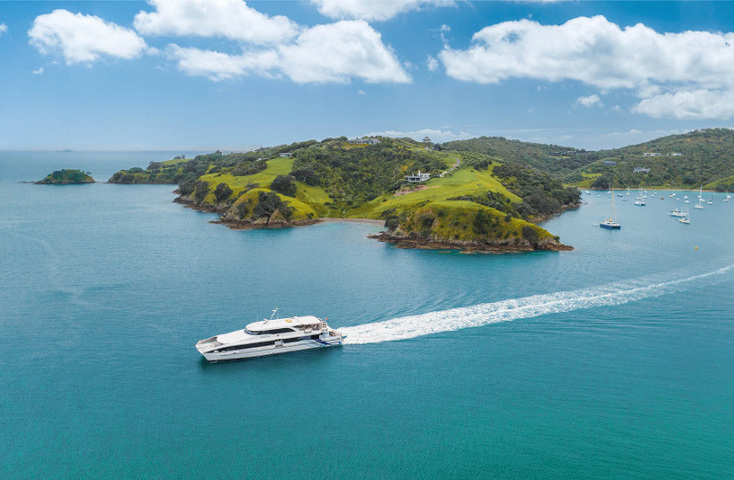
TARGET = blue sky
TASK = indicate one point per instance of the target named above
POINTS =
(228, 74)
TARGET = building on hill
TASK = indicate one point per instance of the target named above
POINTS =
(609, 163)
(286, 155)
(365, 140)
(651, 154)
(675, 154)
(418, 177)
(641, 170)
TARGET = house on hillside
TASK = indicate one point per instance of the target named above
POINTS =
(651, 154)
(609, 163)
(286, 155)
(418, 177)
(641, 170)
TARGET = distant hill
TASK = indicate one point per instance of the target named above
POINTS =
(552, 159)
(701, 157)
(66, 177)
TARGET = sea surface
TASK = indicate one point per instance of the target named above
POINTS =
(614, 360)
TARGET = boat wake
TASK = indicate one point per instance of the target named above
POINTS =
(527, 307)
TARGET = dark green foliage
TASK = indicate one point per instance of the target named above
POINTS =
(602, 181)
(187, 186)
(529, 234)
(201, 190)
(541, 194)
(222, 192)
(67, 177)
(306, 176)
(267, 204)
(155, 165)
(284, 184)
(249, 168)
(483, 222)
(548, 158)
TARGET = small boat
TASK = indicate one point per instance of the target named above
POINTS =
(270, 337)
(684, 220)
(677, 213)
(640, 202)
(609, 222)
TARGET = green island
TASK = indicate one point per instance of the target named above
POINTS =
(66, 177)
(466, 200)
(485, 194)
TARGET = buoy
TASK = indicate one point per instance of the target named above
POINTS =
(696, 248)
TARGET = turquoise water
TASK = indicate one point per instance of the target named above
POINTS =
(614, 360)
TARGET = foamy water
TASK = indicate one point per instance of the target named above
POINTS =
(526, 307)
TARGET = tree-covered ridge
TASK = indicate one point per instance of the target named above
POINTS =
(301, 182)
(66, 177)
(701, 157)
(553, 159)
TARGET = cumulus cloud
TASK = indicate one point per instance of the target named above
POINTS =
(3, 28)
(338, 51)
(669, 72)
(231, 19)
(373, 9)
(83, 38)
(437, 135)
(590, 101)
(332, 53)
(39, 71)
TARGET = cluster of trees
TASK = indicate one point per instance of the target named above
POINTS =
(554, 159)
(542, 194)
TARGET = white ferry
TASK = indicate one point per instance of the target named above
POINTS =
(270, 337)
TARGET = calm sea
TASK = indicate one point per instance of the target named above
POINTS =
(615, 360)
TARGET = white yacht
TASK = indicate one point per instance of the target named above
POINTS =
(270, 337)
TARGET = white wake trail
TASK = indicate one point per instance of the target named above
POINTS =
(513, 309)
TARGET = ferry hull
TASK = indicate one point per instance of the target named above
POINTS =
(271, 350)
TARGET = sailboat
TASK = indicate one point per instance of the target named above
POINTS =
(640, 202)
(609, 222)
(684, 219)
(699, 205)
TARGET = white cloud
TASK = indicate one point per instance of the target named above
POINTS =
(669, 72)
(333, 53)
(590, 101)
(83, 38)
(436, 135)
(231, 19)
(689, 104)
(338, 51)
(221, 66)
(3, 28)
(39, 71)
(432, 63)
(372, 9)
(361, 92)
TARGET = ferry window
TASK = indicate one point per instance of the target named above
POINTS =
(315, 336)
(279, 330)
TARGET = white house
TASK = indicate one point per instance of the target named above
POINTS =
(418, 177)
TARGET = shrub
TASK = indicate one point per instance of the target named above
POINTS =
(202, 190)
(222, 192)
(284, 184)
(529, 234)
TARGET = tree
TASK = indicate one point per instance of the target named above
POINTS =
(222, 192)
(202, 190)
(284, 184)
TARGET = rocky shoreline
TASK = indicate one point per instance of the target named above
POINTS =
(514, 245)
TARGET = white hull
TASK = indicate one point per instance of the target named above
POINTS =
(271, 350)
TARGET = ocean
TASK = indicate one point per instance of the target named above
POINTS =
(614, 360)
